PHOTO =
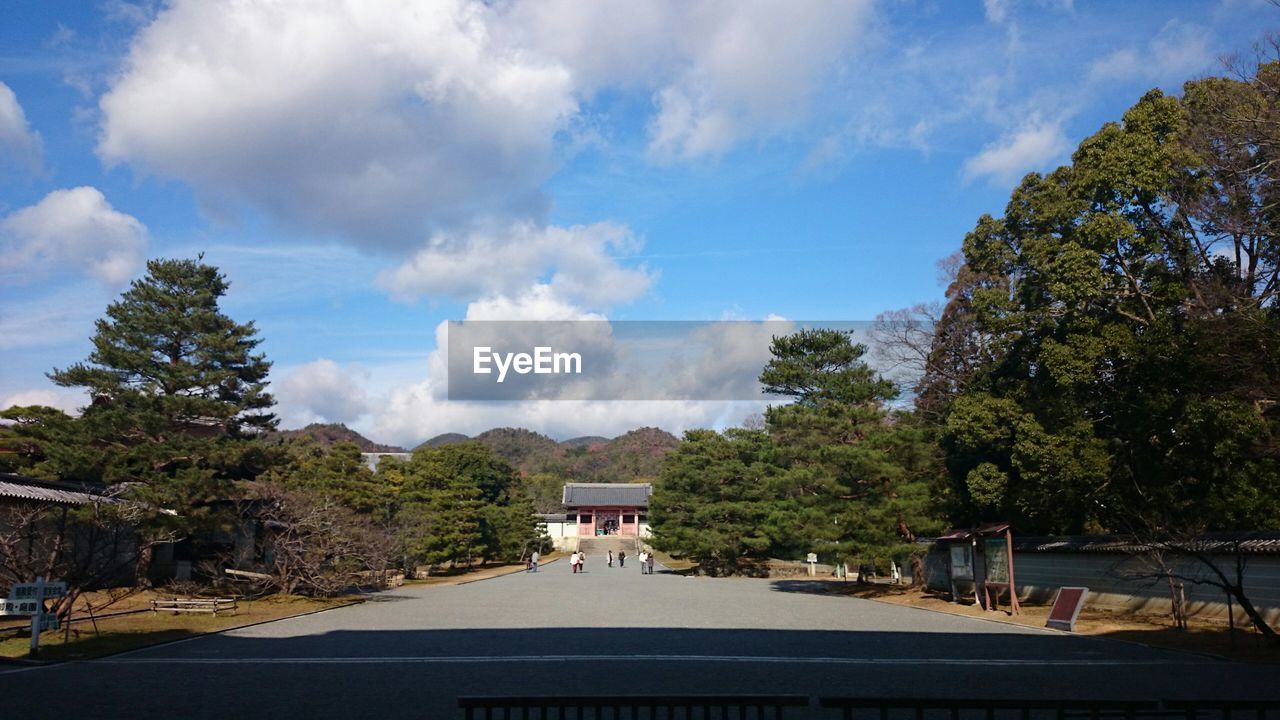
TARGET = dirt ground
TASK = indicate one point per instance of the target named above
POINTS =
(128, 623)
(1203, 635)
(126, 631)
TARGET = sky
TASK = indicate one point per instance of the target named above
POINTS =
(365, 171)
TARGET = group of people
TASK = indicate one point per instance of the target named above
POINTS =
(577, 561)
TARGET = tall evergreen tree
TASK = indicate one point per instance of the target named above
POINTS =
(848, 493)
(177, 396)
(711, 502)
(456, 506)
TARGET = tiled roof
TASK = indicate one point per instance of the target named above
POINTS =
(607, 494)
(1249, 542)
(25, 488)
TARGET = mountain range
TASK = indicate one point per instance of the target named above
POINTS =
(632, 456)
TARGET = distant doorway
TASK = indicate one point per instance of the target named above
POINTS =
(607, 522)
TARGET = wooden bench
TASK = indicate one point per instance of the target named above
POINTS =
(212, 606)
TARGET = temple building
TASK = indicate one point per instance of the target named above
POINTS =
(600, 510)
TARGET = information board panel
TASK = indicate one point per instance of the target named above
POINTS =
(997, 560)
(961, 567)
(1066, 607)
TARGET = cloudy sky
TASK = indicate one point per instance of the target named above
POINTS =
(365, 170)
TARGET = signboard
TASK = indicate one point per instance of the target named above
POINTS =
(24, 607)
(961, 566)
(29, 591)
(813, 558)
(1066, 607)
(997, 560)
(29, 599)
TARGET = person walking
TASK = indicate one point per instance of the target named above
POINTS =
(533, 562)
(622, 558)
(573, 562)
(641, 559)
(649, 561)
(582, 561)
(610, 558)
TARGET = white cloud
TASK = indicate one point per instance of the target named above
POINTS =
(374, 120)
(995, 10)
(20, 145)
(389, 120)
(1179, 52)
(68, 401)
(718, 72)
(322, 391)
(76, 229)
(507, 262)
(752, 70)
(1031, 147)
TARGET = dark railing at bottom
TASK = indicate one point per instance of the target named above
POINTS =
(1225, 709)
(853, 708)
(631, 707)
(772, 707)
(990, 708)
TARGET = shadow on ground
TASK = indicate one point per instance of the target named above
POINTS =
(372, 673)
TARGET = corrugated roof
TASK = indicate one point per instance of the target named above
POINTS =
(26, 488)
(607, 494)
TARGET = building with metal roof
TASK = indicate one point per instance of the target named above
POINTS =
(20, 488)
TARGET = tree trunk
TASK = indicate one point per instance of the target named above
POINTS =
(1259, 622)
(142, 571)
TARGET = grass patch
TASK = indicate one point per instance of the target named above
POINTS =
(677, 565)
(128, 632)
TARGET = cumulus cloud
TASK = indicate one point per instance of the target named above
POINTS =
(389, 120)
(718, 72)
(20, 146)
(76, 229)
(752, 70)
(1180, 51)
(1028, 148)
(582, 260)
(374, 120)
(322, 391)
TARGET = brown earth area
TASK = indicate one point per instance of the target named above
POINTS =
(128, 623)
(1203, 635)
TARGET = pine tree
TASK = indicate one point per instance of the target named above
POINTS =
(178, 395)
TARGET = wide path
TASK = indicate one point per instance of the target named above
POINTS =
(410, 652)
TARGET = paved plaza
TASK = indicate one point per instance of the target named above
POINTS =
(410, 652)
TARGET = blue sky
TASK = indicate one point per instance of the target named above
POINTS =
(363, 172)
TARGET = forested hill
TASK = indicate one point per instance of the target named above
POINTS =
(332, 433)
(636, 454)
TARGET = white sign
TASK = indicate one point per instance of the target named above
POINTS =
(28, 591)
(813, 558)
(24, 607)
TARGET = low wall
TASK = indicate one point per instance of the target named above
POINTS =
(1113, 581)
